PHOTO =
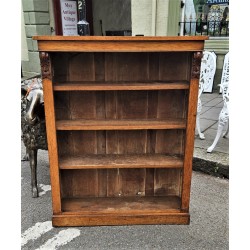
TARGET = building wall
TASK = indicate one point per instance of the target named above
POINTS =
(174, 17)
(37, 22)
(24, 46)
(149, 17)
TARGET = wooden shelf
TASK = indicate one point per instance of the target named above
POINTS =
(124, 205)
(99, 86)
(127, 124)
(120, 161)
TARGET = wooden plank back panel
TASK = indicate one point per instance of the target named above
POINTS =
(62, 105)
(167, 182)
(174, 66)
(132, 104)
(120, 182)
(165, 104)
(99, 61)
(132, 182)
(60, 65)
(120, 67)
(132, 142)
(169, 141)
(171, 104)
(82, 105)
(78, 183)
(121, 142)
(126, 67)
(82, 66)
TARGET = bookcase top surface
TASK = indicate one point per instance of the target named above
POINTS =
(120, 43)
(120, 38)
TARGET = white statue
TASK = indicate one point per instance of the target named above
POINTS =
(224, 114)
(207, 72)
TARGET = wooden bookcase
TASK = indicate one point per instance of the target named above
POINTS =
(120, 118)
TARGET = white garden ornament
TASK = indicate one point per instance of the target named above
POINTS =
(207, 72)
(224, 114)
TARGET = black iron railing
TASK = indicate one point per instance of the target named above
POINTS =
(203, 27)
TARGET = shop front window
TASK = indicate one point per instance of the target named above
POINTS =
(206, 17)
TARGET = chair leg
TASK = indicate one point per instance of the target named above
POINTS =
(199, 108)
(201, 135)
(227, 131)
(223, 120)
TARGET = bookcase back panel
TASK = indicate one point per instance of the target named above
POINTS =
(120, 182)
(113, 67)
(121, 104)
(121, 142)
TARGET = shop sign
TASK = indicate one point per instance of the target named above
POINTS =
(69, 18)
(217, 1)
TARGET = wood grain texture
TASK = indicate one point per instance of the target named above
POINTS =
(119, 44)
(124, 124)
(189, 143)
(82, 86)
(65, 220)
(52, 144)
(127, 205)
(120, 161)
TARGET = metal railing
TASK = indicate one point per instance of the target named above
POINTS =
(204, 27)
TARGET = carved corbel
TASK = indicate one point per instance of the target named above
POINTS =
(45, 65)
(196, 65)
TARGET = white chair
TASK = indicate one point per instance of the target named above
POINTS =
(207, 72)
(224, 114)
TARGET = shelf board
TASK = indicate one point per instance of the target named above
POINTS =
(122, 205)
(95, 86)
(99, 161)
(124, 124)
(104, 211)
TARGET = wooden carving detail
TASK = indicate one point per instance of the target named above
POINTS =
(45, 65)
(196, 65)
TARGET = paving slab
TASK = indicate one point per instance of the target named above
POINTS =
(204, 109)
(222, 145)
(205, 97)
(205, 124)
(217, 162)
(220, 105)
(211, 114)
(213, 102)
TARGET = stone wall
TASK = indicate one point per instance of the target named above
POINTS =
(37, 22)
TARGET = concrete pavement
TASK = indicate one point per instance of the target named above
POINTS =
(217, 162)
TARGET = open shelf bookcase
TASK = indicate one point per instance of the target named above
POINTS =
(120, 118)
